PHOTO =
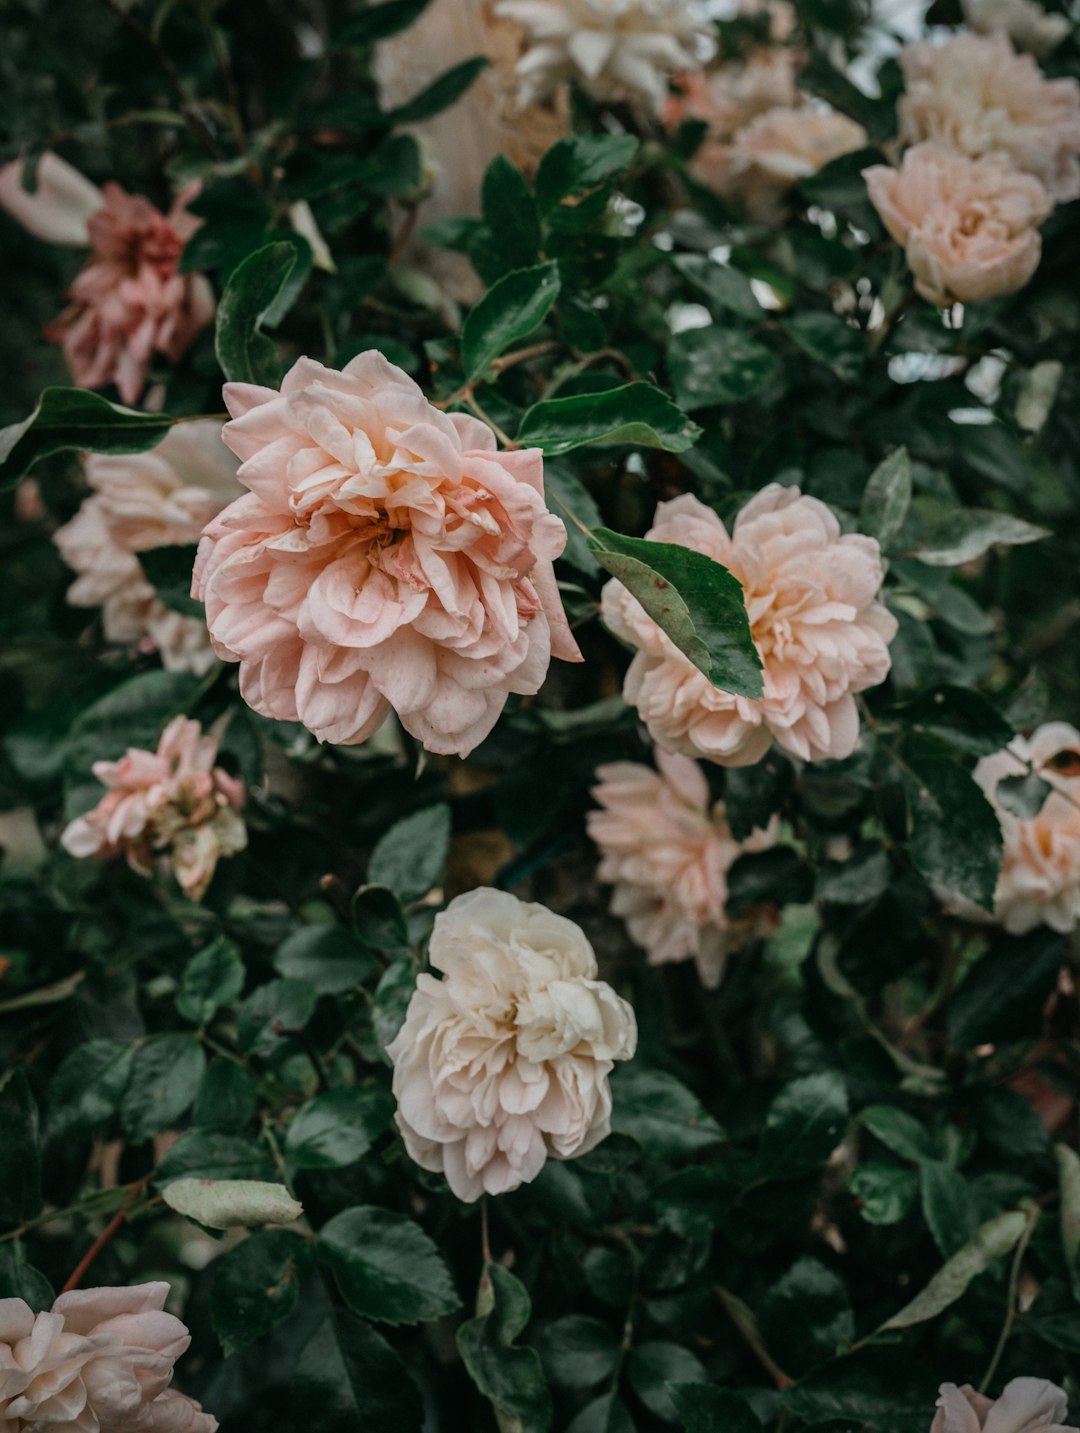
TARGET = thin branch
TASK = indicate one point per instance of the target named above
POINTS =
(94, 1250)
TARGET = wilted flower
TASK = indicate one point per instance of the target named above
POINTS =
(173, 801)
(968, 226)
(387, 555)
(141, 501)
(506, 1059)
(1026, 1405)
(1026, 23)
(667, 849)
(1040, 875)
(130, 301)
(100, 1361)
(820, 632)
(612, 48)
(976, 95)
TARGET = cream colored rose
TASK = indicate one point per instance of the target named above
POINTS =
(976, 95)
(969, 227)
(1040, 875)
(667, 849)
(505, 1060)
(1026, 1405)
(778, 148)
(1026, 23)
(100, 1361)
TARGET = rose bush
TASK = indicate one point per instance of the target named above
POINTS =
(539, 717)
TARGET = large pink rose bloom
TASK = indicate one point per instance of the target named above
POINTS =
(1026, 1405)
(387, 556)
(976, 95)
(969, 227)
(100, 1361)
(131, 301)
(1040, 875)
(667, 849)
(173, 800)
(811, 597)
(140, 501)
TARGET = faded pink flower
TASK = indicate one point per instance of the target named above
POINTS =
(976, 95)
(100, 1361)
(173, 801)
(969, 227)
(727, 98)
(505, 1060)
(387, 556)
(778, 148)
(811, 597)
(667, 849)
(1026, 23)
(1026, 1405)
(140, 501)
(1040, 875)
(131, 301)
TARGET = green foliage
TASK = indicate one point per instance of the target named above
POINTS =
(255, 287)
(68, 419)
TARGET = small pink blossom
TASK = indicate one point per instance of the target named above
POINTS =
(667, 849)
(1027, 1405)
(811, 597)
(969, 227)
(727, 98)
(387, 556)
(140, 501)
(174, 801)
(974, 94)
(100, 1361)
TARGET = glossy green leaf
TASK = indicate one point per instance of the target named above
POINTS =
(831, 341)
(168, 570)
(955, 835)
(899, 1131)
(653, 1108)
(509, 312)
(510, 214)
(245, 353)
(961, 536)
(212, 979)
(1003, 995)
(338, 1127)
(886, 1192)
(85, 1091)
(707, 1408)
(636, 414)
(256, 1286)
(947, 1205)
(327, 957)
(577, 1351)
(654, 1364)
(20, 1149)
(719, 365)
(887, 498)
(509, 1376)
(722, 285)
(165, 1075)
(580, 163)
(959, 716)
(440, 94)
(378, 22)
(352, 1375)
(386, 1266)
(273, 1012)
(803, 1126)
(411, 857)
(75, 420)
(215, 1154)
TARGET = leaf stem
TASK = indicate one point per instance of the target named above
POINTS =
(1033, 1213)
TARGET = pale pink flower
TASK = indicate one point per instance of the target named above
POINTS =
(811, 597)
(727, 98)
(387, 556)
(1026, 1405)
(506, 1059)
(61, 205)
(131, 301)
(1040, 875)
(667, 849)
(969, 227)
(976, 95)
(778, 148)
(100, 1361)
(173, 802)
(140, 501)
(1026, 23)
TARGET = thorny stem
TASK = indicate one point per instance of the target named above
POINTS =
(1010, 1306)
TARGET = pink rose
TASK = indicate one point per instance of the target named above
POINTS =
(976, 95)
(172, 800)
(811, 597)
(1027, 1405)
(778, 148)
(968, 226)
(140, 501)
(387, 556)
(99, 1362)
(667, 849)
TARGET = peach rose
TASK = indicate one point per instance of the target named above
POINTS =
(811, 597)
(667, 849)
(387, 556)
(506, 1059)
(173, 800)
(140, 501)
(778, 148)
(727, 98)
(1026, 23)
(1040, 875)
(612, 48)
(976, 95)
(969, 227)
(100, 1361)
(1026, 1405)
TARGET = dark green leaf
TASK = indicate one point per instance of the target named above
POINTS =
(507, 1375)
(273, 1012)
(887, 498)
(1068, 1163)
(392, 996)
(606, 1414)
(774, 877)
(807, 1314)
(947, 1205)
(328, 957)
(440, 94)
(804, 1125)
(719, 365)
(961, 536)
(379, 921)
(652, 1107)
(386, 1266)
(577, 1351)
(20, 1280)
(411, 857)
(653, 1365)
(164, 1078)
(1023, 796)
(214, 1154)
(722, 285)
(378, 22)
(20, 1149)
(881, 1388)
(580, 163)
(512, 309)
(1003, 995)
(830, 340)
(256, 1285)
(696, 601)
(133, 714)
(85, 1091)
(226, 1098)
(168, 570)
(211, 980)
(705, 1408)
(349, 1371)
(245, 353)
(898, 1131)
(510, 214)
(886, 1192)
(636, 414)
(992, 1241)
(960, 717)
(955, 835)
(338, 1127)
(74, 420)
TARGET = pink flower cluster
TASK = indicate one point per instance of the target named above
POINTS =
(823, 637)
(100, 1361)
(995, 145)
(667, 849)
(386, 556)
(172, 801)
(1026, 1405)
